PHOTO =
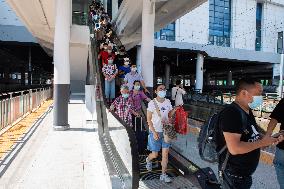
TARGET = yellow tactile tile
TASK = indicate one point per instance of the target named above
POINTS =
(12, 135)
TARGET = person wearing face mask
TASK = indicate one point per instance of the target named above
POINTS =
(123, 105)
(240, 134)
(103, 55)
(110, 71)
(124, 69)
(121, 56)
(138, 96)
(277, 116)
(109, 42)
(177, 94)
(132, 76)
(155, 122)
(138, 121)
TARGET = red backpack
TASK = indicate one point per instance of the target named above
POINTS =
(181, 121)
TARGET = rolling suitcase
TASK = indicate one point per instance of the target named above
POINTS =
(141, 134)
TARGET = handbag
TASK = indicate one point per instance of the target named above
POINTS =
(181, 121)
(169, 131)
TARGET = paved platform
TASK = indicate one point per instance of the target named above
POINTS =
(59, 159)
(187, 146)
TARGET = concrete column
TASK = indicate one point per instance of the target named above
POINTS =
(275, 73)
(281, 75)
(207, 79)
(199, 72)
(147, 44)
(114, 8)
(138, 59)
(61, 64)
(230, 78)
(167, 75)
(192, 80)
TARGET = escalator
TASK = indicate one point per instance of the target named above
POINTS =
(126, 166)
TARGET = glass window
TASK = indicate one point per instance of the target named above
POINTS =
(219, 22)
(167, 33)
(280, 42)
(258, 44)
(258, 27)
(79, 13)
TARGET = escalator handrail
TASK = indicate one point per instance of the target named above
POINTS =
(130, 132)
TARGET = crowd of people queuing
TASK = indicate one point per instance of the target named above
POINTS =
(243, 144)
(118, 70)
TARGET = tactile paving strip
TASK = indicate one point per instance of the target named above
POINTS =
(14, 134)
(177, 183)
(151, 180)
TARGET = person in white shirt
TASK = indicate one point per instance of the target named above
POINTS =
(177, 93)
(156, 139)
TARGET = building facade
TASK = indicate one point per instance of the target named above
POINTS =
(230, 27)
(250, 24)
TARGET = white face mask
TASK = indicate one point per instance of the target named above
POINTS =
(126, 63)
(110, 61)
(133, 69)
(109, 51)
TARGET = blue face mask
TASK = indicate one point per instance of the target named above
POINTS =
(126, 95)
(162, 94)
(136, 87)
(257, 101)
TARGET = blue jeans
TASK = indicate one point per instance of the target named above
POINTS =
(157, 145)
(110, 89)
(279, 166)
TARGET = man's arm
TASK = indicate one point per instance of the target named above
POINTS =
(236, 146)
(271, 126)
(144, 86)
(183, 91)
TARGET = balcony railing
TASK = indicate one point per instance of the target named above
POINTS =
(15, 105)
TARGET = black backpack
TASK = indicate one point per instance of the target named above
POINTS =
(207, 140)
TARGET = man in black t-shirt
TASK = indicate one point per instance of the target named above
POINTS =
(277, 116)
(243, 140)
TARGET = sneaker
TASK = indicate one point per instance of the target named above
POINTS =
(165, 178)
(148, 165)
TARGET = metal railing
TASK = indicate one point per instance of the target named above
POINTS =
(15, 105)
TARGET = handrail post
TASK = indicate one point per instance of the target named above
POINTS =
(23, 103)
(10, 109)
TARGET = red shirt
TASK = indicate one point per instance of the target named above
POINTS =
(105, 55)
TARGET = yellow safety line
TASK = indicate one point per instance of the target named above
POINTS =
(15, 133)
